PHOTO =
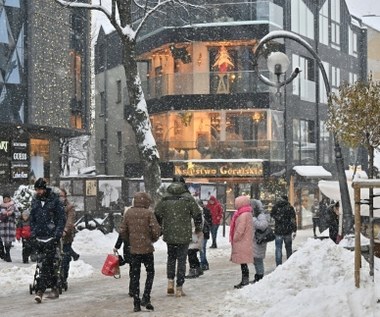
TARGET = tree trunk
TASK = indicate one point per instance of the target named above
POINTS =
(138, 118)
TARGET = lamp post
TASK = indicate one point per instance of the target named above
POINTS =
(279, 65)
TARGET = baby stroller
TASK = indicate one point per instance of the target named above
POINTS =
(57, 268)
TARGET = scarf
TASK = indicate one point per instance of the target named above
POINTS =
(237, 213)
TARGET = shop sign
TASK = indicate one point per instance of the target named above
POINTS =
(219, 169)
(4, 161)
(20, 160)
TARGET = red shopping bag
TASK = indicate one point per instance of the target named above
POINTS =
(111, 266)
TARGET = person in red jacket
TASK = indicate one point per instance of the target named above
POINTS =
(216, 210)
(23, 234)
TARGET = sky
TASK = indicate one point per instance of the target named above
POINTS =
(317, 280)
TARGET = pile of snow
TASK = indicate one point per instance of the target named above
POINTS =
(317, 280)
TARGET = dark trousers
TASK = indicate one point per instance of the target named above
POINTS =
(214, 233)
(244, 270)
(26, 250)
(315, 225)
(193, 258)
(66, 259)
(177, 253)
(135, 270)
(46, 252)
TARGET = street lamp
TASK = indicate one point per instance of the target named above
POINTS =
(278, 65)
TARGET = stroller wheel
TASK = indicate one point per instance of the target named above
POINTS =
(30, 289)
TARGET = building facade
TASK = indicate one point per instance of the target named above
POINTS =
(212, 118)
(44, 86)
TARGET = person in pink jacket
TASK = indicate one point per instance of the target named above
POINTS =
(241, 237)
(216, 211)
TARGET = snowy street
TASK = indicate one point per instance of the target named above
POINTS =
(317, 279)
(99, 295)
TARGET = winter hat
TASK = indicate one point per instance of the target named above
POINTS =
(178, 179)
(242, 201)
(40, 184)
(26, 213)
(285, 197)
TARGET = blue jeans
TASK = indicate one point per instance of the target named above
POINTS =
(259, 265)
(177, 254)
(203, 252)
(214, 233)
(287, 239)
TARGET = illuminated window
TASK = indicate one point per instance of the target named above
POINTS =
(76, 120)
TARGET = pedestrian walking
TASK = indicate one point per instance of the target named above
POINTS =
(285, 227)
(141, 229)
(333, 221)
(241, 237)
(174, 213)
(195, 245)
(8, 215)
(67, 236)
(207, 221)
(260, 222)
(315, 217)
(23, 234)
(216, 211)
(47, 221)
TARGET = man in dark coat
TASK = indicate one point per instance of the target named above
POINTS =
(285, 227)
(333, 221)
(47, 221)
(174, 213)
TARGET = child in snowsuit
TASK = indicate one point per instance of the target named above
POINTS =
(23, 233)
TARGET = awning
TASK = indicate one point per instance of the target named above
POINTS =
(312, 171)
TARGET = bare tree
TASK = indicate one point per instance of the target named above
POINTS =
(354, 115)
(122, 16)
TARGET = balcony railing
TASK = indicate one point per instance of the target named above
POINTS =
(264, 12)
(187, 150)
(204, 83)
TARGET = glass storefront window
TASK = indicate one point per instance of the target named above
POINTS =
(221, 134)
(39, 158)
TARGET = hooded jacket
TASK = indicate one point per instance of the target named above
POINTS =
(216, 210)
(174, 213)
(139, 226)
(285, 218)
(47, 216)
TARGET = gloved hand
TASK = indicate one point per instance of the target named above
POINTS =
(293, 235)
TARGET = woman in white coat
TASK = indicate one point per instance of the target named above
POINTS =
(260, 222)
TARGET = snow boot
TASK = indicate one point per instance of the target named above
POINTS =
(145, 301)
(205, 267)
(136, 306)
(170, 290)
(193, 273)
(38, 297)
(258, 277)
(53, 294)
(244, 282)
(2, 253)
(7, 256)
(179, 292)
(199, 271)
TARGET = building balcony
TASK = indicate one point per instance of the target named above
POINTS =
(188, 150)
(236, 82)
(260, 12)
